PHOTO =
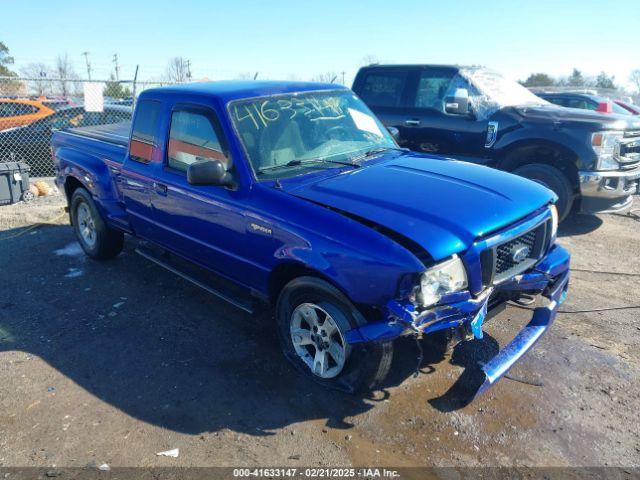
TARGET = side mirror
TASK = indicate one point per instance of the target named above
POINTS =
(395, 133)
(209, 172)
(458, 104)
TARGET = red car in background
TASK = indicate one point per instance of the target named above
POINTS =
(585, 101)
(630, 107)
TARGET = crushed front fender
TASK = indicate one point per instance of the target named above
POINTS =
(550, 276)
(542, 319)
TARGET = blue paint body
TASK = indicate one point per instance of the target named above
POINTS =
(369, 231)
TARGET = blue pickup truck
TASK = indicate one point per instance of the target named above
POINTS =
(295, 196)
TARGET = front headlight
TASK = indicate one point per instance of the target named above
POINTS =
(446, 277)
(604, 143)
(554, 222)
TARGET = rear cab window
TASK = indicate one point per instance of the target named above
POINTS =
(144, 133)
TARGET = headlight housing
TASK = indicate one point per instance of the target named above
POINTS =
(554, 222)
(445, 277)
(603, 144)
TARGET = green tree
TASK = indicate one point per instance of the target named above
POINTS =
(605, 81)
(576, 79)
(5, 59)
(114, 89)
(539, 80)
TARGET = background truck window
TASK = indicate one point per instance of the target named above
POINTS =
(192, 138)
(383, 89)
(143, 139)
(433, 86)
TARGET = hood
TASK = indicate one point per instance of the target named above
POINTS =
(577, 115)
(442, 205)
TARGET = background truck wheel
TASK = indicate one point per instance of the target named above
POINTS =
(553, 179)
(312, 318)
(96, 239)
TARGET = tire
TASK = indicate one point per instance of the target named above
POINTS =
(554, 180)
(365, 365)
(105, 242)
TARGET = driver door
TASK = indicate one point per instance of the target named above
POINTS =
(203, 223)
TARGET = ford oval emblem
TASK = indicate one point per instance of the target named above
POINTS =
(520, 253)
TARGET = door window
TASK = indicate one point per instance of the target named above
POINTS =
(433, 87)
(384, 88)
(143, 136)
(577, 103)
(559, 101)
(192, 137)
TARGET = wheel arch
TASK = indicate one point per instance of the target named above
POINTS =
(71, 184)
(286, 271)
(545, 152)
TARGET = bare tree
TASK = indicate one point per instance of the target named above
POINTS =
(178, 70)
(247, 76)
(635, 79)
(369, 59)
(39, 72)
(327, 77)
(64, 72)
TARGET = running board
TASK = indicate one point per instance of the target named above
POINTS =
(166, 263)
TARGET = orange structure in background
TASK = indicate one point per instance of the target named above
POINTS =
(17, 113)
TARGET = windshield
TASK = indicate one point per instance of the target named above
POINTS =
(286, 135)
(491, 91)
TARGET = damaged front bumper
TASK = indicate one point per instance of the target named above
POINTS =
(550, 277)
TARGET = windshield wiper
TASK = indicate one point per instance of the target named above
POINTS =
(368, 153)
(295, 163)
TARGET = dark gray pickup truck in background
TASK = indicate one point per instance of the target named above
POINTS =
(590, 160)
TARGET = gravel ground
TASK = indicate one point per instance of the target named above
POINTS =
(114, 362)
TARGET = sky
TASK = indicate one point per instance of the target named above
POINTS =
(298, 39)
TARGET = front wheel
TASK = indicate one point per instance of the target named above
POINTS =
(313, 317)
(554, 180)
(96, 239)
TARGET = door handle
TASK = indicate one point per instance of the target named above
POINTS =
(412, 122)
(160, 188)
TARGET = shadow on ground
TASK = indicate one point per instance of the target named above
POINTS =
(161, 350)
(579, 225)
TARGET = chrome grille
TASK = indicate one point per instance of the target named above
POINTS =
(505, 261)
(514, 256)
(628, 152)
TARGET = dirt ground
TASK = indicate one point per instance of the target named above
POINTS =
(114, 362)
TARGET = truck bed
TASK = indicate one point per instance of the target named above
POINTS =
(115, 133)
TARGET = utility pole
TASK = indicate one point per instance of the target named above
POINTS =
(86, 58)
(115, 61)
(135, 79)
(188, 70)
(343, 72)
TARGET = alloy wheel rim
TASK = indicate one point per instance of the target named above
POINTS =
(317, 340)
(86, 225)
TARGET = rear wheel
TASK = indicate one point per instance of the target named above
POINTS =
(96, 239)
(554, 180)
(313, 317)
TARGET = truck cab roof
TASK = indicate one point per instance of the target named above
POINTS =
(420, 65)
(227, 91)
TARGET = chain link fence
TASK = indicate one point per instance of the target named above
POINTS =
(31, 109)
